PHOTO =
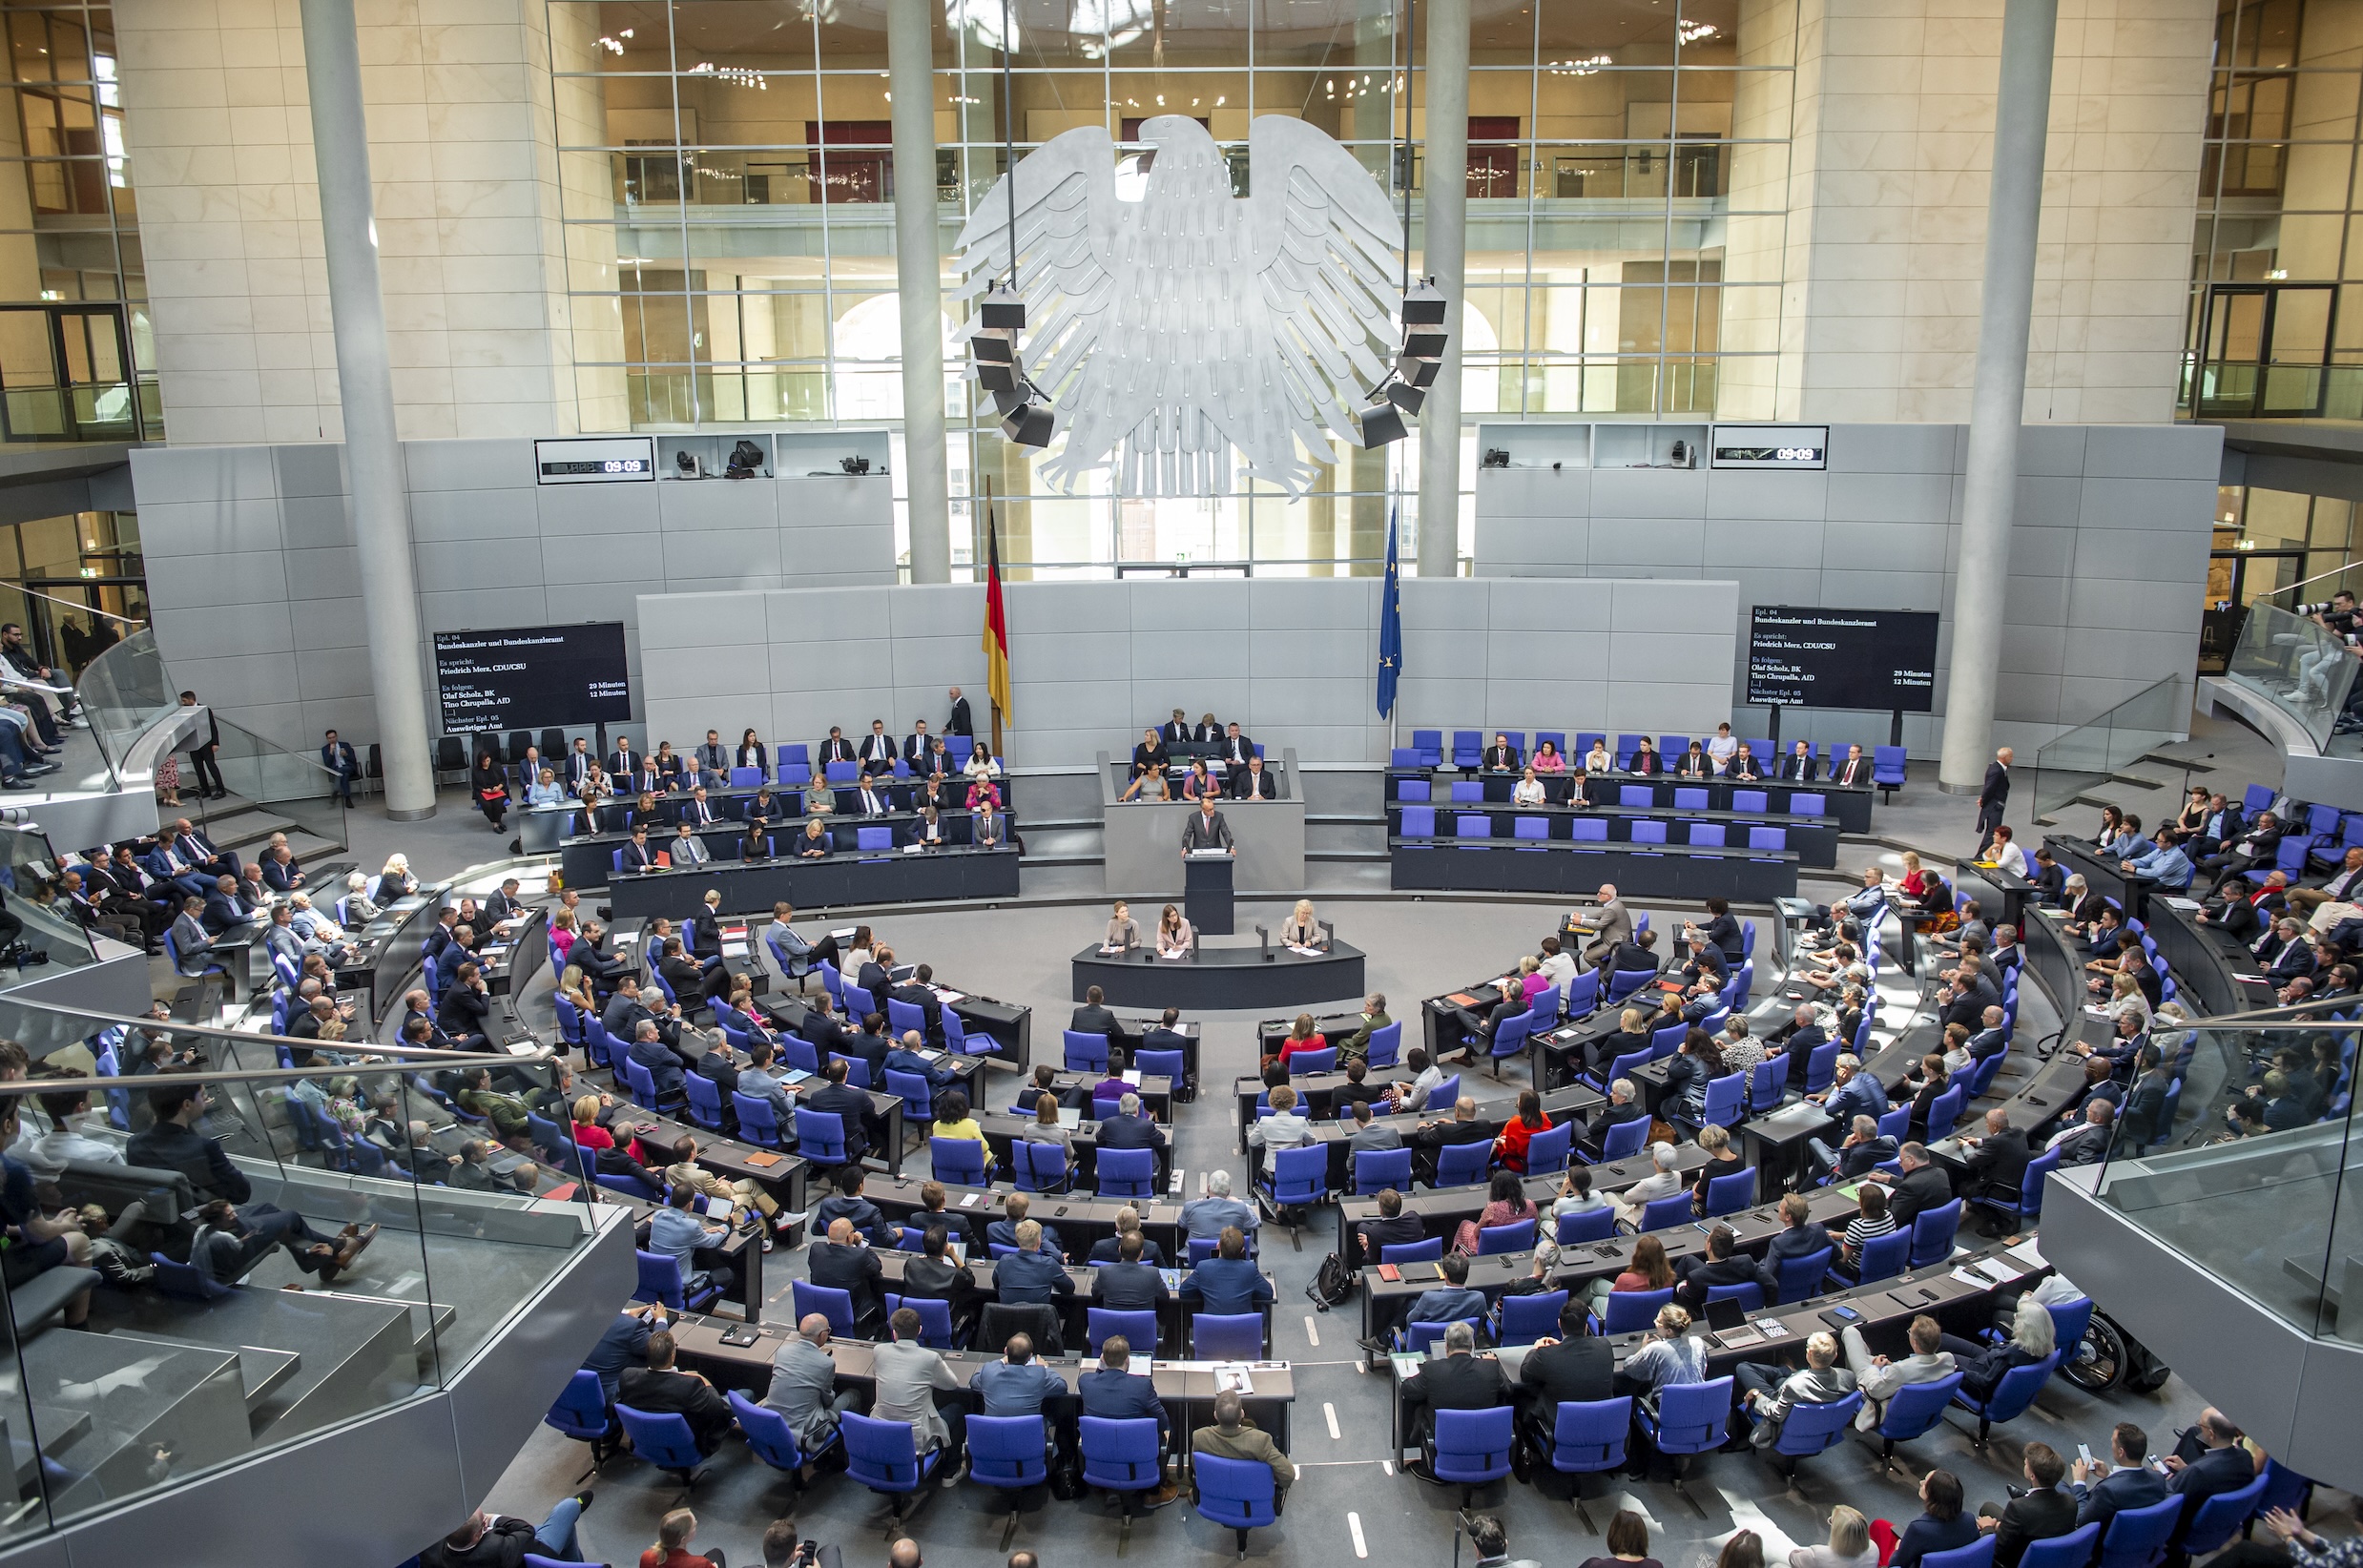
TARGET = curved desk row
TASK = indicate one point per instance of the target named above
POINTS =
(1814, 838)
(590, 862)
(1672, 872)
(1852, 807)
(1220, 978)
(754, 886)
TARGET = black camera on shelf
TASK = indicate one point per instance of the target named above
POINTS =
(1496, 457)
(746, 461)
(854, 464)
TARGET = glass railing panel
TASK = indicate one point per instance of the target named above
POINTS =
(292, 784)
(2080, 757)
(2249, 1179)
(334, 1239)
(2296, 664)
(123, 691)
(46, 938)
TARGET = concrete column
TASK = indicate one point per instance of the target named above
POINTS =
(381, 500)
(918, 279)
(1444, 258)
(2014, 209)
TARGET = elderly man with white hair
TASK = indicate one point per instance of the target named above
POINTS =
(1132, 1127)
(1205, 1217)
(1662, 1182)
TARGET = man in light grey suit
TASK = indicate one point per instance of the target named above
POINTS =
(1881, 1377)
(689, 850)
(804, 1384)
(1207, 829)
(1369, 1134)
(1611, 926)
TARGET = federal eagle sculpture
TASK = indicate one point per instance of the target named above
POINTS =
(1170, 330)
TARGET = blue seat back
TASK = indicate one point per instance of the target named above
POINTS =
(2073, 1550)
(1749, 800)
(1692, 1417)
(1630, 1311)
(1471, 825)
(1592, 1225)
(905, 1017)
(2220, 1517)
(1821, 1066)
(1776, 839)
(1040, 1167)
(663, 1440)
(1301, 1175)
(1217, 1337)
(1473, 1446)
(1748, 1294)
(1589, 1436)
(1386, 1045)
(1707, 834)
(1798, 1278)
(1729, 1194)
(1625, 1140)
(1689, 799)
(1418, 822)
(1121, 1456)
(1674, 1208)
(1237, 1494)
(2136, 1537)
(1138, 1328)
(821, 1135)
(1549, 1151)
(1918, 1406)
(1303, 1062)
(1007, 1451)
(1374, 1171)
(880, 1455)
(1466, 790)
(1588, 830)
(1884, 1257)
(767, 1432)
(1129, 1173)
(756, 1124)
(1463, 1164)
(1887, 764)
(1809, 1428)
(1516, 1236)
(832, 1303)
(2017, 1389)
(1428, 1250)
(705, 1101)
(1085, 1052)
(1527, 1318)
(580, 1409)
(1535, 828)
(1932, 1234)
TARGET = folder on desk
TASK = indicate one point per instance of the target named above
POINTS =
(1462, 999)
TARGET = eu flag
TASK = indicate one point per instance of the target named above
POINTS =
(1390, 628)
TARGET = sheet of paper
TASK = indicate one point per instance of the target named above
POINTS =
(2029, 1252)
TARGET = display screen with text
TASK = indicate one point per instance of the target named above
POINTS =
(532, 676)
(1805, 657)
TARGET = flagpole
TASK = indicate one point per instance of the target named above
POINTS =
(992, 540)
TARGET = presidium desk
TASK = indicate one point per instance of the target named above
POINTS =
(1143, 839)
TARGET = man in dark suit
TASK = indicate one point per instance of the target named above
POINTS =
(841, 1262)
(850, 1106)
(1799, 765)
(877, 754)
(197, 853)
(1853, 771)
(1922, 1186)
(661, 1061)
(1620, 1109)
(1237, 748)
(1500, 757)
(1724, 1264)
(918, 991)
(504, 904)
(2105, 1490)
(836, 749)
(869, 1044)
(1744, 766)
(637, 855)
(1175, 731)
(1093, 1017)
(223, 909)
(577, 767)
(2043, 1513)
(1993, 796)
(1111, 1392)
(1997, 1160)
(1467, 1126)
(625, 1012)
(623, 762)
(1393, 1227)
(1167, 1034)
(1206, 829)
(959, 723)
(1128, 1285)
(338, 757)
(872, 800)
(1253, 783)
(660, 1389)
(698, 811)
(915, 745)
(2223, 1466)
(1460, 1379)
(1575, 1367)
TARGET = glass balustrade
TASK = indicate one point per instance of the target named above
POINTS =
(2301, 668)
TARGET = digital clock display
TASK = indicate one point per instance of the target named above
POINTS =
(1768, 454)
(612, 465)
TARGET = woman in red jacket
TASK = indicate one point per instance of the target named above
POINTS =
(1510, 1149)
(1301, 1037)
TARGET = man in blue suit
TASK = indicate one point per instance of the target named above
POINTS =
(1130, 1127)
(624, 1345)
(2105, 1491)
(1227, 1283)
(1112, 1393)
(654, 1053)
(904, 1057)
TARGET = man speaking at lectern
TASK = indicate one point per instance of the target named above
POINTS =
(1207, 830)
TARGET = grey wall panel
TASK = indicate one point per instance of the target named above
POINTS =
(1890, 498)
(498, 558)
(2049, 449)
(329, 673)
(310, 470)
(466, 609)
(1648, 492)
(1892, 448)
(1885, 546)
(234, 631)
(566, 512)
(714, 555)
(210, 527)
(1738, 543)
(719, 504)
(317, 521)
(2140, 451)
(197, 473)
(202, 582)
(449, 516)
(1746, 493)
(1637, 539)
(462, 464)
(329, 623)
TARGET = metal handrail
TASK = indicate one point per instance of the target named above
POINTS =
(2316, 578)
(19, 586)
(169, 1081)
(249, 1036)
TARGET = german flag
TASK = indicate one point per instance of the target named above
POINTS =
(996, 623)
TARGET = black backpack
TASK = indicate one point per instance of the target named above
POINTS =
(1333, 1284)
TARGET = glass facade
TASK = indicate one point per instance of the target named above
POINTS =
(2277, 320)
(77, 359)
(727, 184)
